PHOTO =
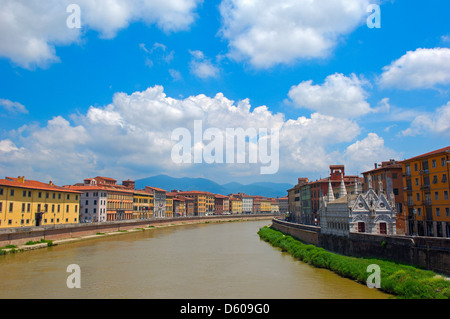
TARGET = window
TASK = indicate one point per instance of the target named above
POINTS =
(383, 229)
(24, 194)
(447, 212)
(28, 207)
(68, 196)
(67, 208)
(29, 193)
(11, 207)
(1, 206)
(1, 191)
(417, 182)
(39, 194)
(438, 211)
(443, 161)
(436, 195)
(23, 207)
(446, 195)
(59, 208)
(416, 168)
(418, 196)
(361, 227)
(433, 163)
(47, 195)
(444, 178)
(394, 175)
(419, 211)
(11, 192)
(435, 179)
(395, 191)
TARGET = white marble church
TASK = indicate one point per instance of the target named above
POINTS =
(371, 212)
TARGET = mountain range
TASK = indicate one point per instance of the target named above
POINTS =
(169, 183)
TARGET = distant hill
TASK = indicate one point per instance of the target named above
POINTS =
(169, 183)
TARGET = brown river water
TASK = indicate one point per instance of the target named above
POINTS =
(214, 261)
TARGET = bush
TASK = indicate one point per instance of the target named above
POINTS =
(404, 281)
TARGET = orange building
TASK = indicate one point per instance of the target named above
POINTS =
(201, 201)
(426, 193)
(390, 175)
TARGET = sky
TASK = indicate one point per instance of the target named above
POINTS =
(100, 87)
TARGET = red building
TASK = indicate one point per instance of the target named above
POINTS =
(320, 187)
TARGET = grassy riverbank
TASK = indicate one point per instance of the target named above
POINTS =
(403, 281)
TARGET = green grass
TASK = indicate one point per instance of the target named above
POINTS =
(403, 281)
(49, 242)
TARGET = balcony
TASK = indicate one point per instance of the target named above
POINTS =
(424, 171)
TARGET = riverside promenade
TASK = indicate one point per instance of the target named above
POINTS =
(60, 234)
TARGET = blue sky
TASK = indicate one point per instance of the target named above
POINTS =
(104, 99)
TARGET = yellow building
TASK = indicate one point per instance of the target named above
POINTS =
(31, 203)
(235, 205)
(169, 206)
(266, 205)
(426, 193)
(142, 205)
(199, 201)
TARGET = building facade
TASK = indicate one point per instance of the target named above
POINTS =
(32, 203)
(390, 174)
(426, 194)
(371, 212)
(159, 201)
(142, 205)
(93, 203)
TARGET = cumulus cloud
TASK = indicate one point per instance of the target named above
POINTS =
(361, 155)
(132, 137)
(437, 122)
(339, 96)
(30, 30)
(267, 33)
(419, 69)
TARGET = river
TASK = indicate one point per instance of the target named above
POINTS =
(218, 260)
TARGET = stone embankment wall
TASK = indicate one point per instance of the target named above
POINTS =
(425, 252)
(21, 235)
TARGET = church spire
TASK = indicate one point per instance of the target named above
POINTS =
(330, 196)
(342, 189)
(356, 186)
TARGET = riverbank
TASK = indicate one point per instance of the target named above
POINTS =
(400, 280)
(44, 242)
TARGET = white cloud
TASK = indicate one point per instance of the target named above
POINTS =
(202, 67)
(338, 96)
(437, 122)
(13, 107)
(131, 137)
(7, 146)
(267, 33)
(419, 69)
(361, 155)
(31, 29)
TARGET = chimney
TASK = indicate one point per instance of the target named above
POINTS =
(376, 165)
